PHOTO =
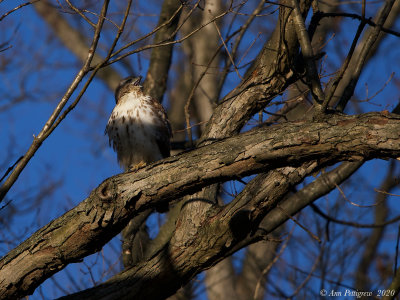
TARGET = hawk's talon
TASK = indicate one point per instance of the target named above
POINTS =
(137, 167)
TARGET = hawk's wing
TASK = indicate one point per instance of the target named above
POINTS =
(109, 130)
(163, 132)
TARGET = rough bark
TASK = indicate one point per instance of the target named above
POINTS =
(86, 228)
(270, 73)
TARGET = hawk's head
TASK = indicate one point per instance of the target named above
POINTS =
(127, 85)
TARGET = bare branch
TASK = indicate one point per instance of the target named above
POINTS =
(75, 9)
(50, 124)
(321, 186)
(362, 57)
(308, 55)
(16, 8)
(75, 41)
(86, 228)
(371, 245)
(160, 60)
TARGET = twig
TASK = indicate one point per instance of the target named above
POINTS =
(269, 266)
(191, 94)
(10, 168)
(351, 202)
(298, 223)
(353, 224)
(16, 8)
(161, 44)
(166, 23)
(379, 91)
(51, 122)
(317, 17)
(98, 67)
(238, 40)
(309, 275)
(80, 13)
(386, 193)
(227, 51)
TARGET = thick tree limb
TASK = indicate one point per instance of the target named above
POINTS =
(86, 228)
(217, 233)
(269, 75)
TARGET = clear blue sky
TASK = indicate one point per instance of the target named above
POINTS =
(76, 157)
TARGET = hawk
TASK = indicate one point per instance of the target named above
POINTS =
(138, 128)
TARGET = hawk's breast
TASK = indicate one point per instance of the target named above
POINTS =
(138, 130)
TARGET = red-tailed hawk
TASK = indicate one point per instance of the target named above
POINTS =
(138, 128)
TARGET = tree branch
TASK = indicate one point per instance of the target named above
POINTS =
(75, 41)
(52, 122)
(370, 250)
(363, 55)
(86, 228)
(160, 60)
(308, 55)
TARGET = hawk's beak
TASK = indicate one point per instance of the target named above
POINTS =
(137, 80)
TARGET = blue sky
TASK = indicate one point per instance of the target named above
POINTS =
(76, 157)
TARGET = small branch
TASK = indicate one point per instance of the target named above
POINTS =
(161, 44)
(166, 23)
(193, 90)
(269, 266)
(317, 17)
(325, 183)
(299, 224)
(238, 40)
(75, 9)
(11, 168)
(93, 74)
(362, 57)
(374, 238)
(308, 55)
(50, 124)
(16, 8)
(227, 51)
(344, 67)
(309, 275)
(353, 224)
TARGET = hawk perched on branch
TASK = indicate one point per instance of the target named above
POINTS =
(138, 128)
